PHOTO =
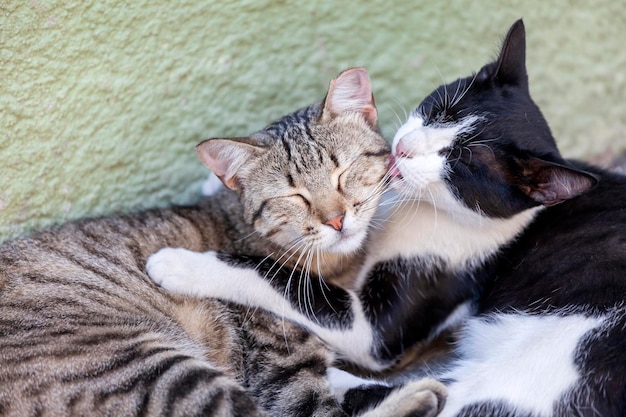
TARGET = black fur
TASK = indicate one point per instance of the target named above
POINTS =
(498, 166)
(572, 258)
(360, 399)
(406, 299)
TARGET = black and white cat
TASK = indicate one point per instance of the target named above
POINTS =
(495, 222)
(550, 335)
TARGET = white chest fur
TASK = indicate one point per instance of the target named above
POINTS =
(417, 229)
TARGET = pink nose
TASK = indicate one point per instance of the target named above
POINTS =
(336, 222)
(401, 150)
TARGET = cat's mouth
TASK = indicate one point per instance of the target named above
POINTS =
(348, 242)
(393, 170)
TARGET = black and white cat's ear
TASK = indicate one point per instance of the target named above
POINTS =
(225, 157)
(549, 183)
(351, 92)
(510, 67)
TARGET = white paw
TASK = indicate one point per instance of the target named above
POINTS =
(177, 270)
(431, 388)
(424, 398)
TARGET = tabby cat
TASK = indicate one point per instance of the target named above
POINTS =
(494, 222)
(83, 331)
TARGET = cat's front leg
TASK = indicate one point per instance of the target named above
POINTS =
(203, 274)
(334, 314)
(370, 398)
(177, 270)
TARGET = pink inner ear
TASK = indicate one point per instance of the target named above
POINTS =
(210, 154)
(551, 183)
(351, 92)
(226, 157)
(206, 152)
(218, 167)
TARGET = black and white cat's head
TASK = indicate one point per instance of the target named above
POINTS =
(480, 145)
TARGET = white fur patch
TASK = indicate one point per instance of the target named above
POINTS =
(341, 382)
(433, 221)
(424, 165)
(418, 229)
(524, 361)
(422, 140)
(423, 397)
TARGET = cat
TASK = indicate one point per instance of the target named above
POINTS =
(423, 270)
(83, 331)
(549, 336)
(498, 233)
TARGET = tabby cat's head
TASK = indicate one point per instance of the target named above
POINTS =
(481, 145)
(312, 179)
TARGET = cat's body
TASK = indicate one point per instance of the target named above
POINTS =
(550, 337)
(80, 321)
(83, 331)
(491, 213)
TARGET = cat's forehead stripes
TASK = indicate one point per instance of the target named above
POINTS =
(302, 147)
(301, 118)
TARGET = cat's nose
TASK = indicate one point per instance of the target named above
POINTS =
(336, 222)
(402, 151)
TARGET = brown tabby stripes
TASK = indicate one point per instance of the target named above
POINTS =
(85, 332)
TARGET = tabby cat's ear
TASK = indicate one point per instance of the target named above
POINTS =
(510, 68)
(225, 157)
(351, 92)
(549, 183)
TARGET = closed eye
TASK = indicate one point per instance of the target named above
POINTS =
(339, 188)
(303, 198)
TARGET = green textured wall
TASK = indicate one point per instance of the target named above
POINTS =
(102, 104)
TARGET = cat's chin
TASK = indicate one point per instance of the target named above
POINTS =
(347, 243)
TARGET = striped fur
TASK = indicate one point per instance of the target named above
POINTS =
(494, 221)
(83, 331)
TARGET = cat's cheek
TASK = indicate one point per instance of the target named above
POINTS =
(282, 236)
(417, 173)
